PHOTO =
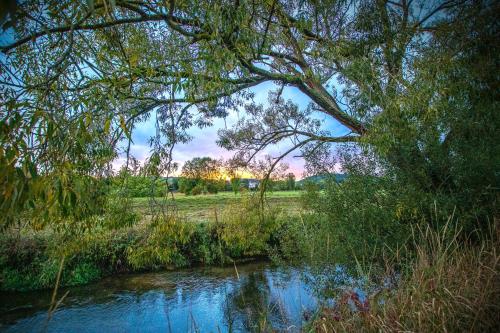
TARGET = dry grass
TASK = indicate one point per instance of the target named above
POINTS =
(454, 286)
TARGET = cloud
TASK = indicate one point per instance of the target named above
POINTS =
(204, 140)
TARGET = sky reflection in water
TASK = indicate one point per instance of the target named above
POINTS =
(196, 300)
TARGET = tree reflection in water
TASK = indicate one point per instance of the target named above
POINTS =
(251, 307)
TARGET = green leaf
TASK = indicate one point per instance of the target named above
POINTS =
(123, 125)
(88, 119)
(107, 125)
(90, 4)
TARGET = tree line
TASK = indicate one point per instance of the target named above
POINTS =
(200, 175)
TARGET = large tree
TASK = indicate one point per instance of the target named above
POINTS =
(202, 168)
(203, 173)
(130, 57)
(95, 70)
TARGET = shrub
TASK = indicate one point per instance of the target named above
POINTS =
(359, 219)
(139, 186)
(24, 262)
(450, 287)
(198, 189)
(119, 213)
(32, 262)
(162, 244)
(246, 229)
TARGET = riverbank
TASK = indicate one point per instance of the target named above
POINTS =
(449, 286)
(446, 286)
(31, 259)
(444, 282)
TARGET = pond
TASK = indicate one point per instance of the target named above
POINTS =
(190, 300)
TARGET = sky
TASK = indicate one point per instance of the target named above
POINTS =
(204, 140)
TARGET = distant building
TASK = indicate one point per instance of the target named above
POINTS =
(253, 184)
(249, 183)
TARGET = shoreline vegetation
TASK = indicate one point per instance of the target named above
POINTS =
(212, 229)
(443, 281)
(448, 286)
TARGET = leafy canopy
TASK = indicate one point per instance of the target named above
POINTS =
(77, 78)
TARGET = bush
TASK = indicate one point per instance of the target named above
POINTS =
(213, 187)
(24, 262)
(247, 229)
(450, 287)
(186, 185)
(161, 244)
(359, 219)
(198, 189)
(139, 186)
(32, 262)
(119, 213)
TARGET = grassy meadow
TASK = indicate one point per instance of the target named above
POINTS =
(204, 207)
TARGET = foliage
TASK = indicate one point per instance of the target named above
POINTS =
(360, 219)
(79, 81)
(415, 165)
(246, 229)
(119, 213)
(24, 263)
(139, 186)
(59, 175)
(201, 175)
(186, 185)
(33, 262)
(450, 286)
(290, 182)
(414, 84)
(236, 184)
(320, 179)
(202, 168)
(114, 245)
(161, 245)
(441, 138)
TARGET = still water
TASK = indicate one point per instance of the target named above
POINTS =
(192, 300)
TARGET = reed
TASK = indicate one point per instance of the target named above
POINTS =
(452, 285)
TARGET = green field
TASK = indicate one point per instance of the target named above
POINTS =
(202, 208)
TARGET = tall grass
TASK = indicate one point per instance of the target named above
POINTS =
(451, 285)
(29, 260)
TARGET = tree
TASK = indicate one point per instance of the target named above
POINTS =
(202, 168)
(216, 51)
(203, 173)
(103, 67)
(186, 185)
(235, 184)
(290, 182)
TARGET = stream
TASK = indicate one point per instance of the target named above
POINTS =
(199, 299)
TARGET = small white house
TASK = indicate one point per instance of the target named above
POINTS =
(253, 184)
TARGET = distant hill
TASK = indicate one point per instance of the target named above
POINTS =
(321, 178)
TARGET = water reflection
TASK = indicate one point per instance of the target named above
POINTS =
(195, 300)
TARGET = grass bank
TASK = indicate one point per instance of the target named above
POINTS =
(449, 286)
(236, 230)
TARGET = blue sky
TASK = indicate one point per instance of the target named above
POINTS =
(204, 140)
